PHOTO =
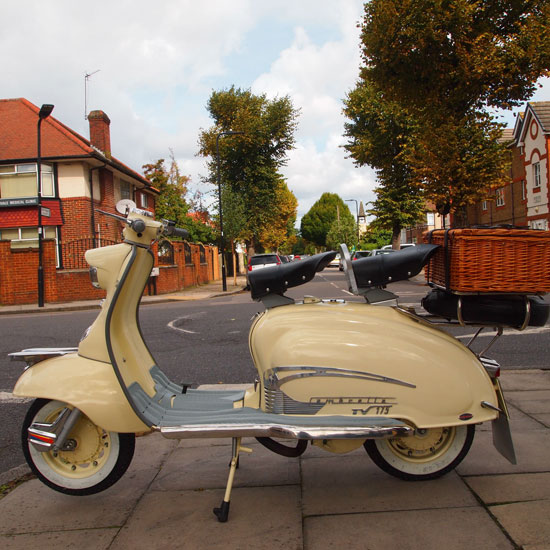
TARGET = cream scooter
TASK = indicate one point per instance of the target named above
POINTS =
(340, 375)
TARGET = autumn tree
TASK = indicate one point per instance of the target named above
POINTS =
(317, 222)
(280, 235)
(379, 135)
(444, 65)
(171, 203)
(250, 162)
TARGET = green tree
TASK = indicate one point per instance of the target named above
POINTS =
(375, 238)
(443, 56)
(172, 186)
(171, 203)
(379, 135)
(444, 64)
(342, 230)
(317, 222)
(250, 162)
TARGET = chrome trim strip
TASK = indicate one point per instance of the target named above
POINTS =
(35, 355)
(286, 431)
(272, 380)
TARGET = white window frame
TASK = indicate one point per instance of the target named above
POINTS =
(32, 168)
(143, 200)
(125, 188)
(33, 241)
(484, 206)
(536, 175)
(500, 197)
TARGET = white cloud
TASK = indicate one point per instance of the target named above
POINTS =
(159, 62)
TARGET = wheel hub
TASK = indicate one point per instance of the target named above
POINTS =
(423, 445)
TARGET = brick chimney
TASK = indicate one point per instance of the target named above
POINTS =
(100, 134)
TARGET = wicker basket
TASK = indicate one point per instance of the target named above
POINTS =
(490, 260)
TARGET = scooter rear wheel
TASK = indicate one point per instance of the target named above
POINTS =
(428, 454)
(98, 459)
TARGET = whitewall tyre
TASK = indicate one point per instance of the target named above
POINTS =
(98, 460)
(428, 454)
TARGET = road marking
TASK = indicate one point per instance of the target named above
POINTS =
(7, 397)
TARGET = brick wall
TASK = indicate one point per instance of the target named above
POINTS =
(19, 275)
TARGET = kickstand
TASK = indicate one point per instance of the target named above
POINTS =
(222, 513)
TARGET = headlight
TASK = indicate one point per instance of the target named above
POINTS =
(93, 277)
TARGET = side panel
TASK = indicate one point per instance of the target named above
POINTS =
(89, 385)
(371, 361)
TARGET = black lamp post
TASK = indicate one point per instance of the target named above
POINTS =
(222, 238)
(45, 112)
(356, 217)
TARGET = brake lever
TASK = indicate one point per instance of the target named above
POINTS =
(116, 216)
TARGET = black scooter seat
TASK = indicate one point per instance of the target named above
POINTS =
(374, 271)
(277, 279)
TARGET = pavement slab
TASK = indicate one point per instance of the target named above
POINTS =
(96, 539)
(511, 488)
(353, 484)
(536, 401)
(526, 522)
(259, 518)
(207, 468)
(528, 379)
(449, 529)
(532, 453)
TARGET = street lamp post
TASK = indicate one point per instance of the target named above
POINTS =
(356, 215)
(222, 238)
(45, 112)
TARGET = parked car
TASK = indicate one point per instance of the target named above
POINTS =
(259, 261)
(360, 254)
(335, 262)
(401, 246)
(380, 251)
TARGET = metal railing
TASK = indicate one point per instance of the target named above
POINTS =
(72, 253)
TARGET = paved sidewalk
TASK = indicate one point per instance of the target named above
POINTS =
(318, 501)
(209, 290)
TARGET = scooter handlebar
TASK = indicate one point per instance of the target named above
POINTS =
(173, 231)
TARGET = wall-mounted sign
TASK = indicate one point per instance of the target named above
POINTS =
(45, 212)
(30, 201)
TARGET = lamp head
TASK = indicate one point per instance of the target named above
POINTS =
(45, 110)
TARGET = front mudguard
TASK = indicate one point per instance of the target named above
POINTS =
(88, 385)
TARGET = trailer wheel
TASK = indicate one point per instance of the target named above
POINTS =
(97, 460)
(428, 454)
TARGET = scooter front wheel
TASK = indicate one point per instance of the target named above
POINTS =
(428, 454)
(96, 459)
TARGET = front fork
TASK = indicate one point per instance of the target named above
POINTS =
(46, 437)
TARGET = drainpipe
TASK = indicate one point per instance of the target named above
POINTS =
(92, 199)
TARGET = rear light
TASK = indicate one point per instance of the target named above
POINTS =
(249, 267)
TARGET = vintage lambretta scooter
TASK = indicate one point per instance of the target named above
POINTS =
(337, 374)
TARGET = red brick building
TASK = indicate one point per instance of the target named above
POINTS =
(524, 200)
(78, 176)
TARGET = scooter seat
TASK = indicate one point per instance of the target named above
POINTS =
(375, 271)
(277, 279)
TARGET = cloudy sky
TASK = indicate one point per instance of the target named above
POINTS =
(158, 62)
